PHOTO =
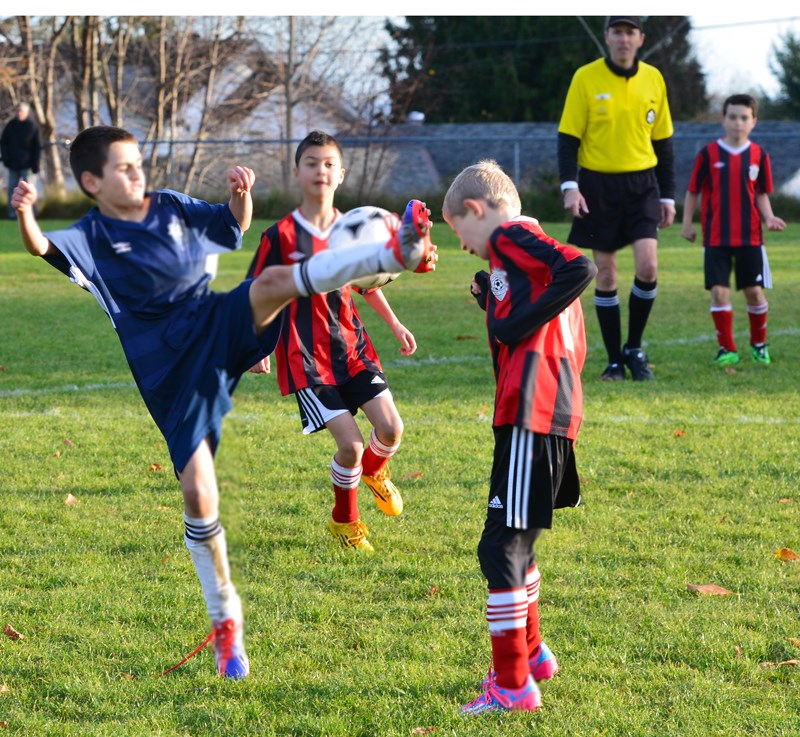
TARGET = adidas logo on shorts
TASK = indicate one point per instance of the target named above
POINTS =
(496, 503)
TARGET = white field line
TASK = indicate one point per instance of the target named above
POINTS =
(429, 360)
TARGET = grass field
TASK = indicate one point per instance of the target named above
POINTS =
(690, 479)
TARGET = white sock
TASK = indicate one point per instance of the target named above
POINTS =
(332, 269)
(205, 539)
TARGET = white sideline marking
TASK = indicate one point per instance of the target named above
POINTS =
(429, 360)
(66, 389)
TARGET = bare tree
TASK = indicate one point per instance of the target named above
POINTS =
(40, 80)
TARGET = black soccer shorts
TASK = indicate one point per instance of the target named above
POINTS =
(750, 264)
(320, 404)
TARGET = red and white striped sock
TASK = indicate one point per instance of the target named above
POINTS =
(506, 614)
(758, 323)
(345, 491)
(377, 455)
(722, 315)
(534, 635)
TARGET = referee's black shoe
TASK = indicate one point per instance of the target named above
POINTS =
(613, 372)
(636, 361)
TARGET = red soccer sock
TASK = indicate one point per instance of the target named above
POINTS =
(506, 613)
(533, 634)
(345, 492)
(376, 455)
(758, 323)
(723, 322)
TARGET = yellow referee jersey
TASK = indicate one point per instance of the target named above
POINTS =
(616, 118)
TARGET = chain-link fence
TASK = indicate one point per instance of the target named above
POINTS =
(415, 160)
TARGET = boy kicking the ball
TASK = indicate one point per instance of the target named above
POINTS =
(142, 255)
(536, 337)
(324, 355)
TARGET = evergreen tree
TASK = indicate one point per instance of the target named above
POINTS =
(518, 68)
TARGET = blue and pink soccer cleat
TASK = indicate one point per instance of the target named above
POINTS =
(494, 698)
(229, 650)
(412, 245)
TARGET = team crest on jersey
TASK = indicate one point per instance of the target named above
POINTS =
(753, 172)
(498, 281)
(175, 230)
(651, 116)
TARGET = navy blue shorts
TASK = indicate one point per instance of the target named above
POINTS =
(207, 346)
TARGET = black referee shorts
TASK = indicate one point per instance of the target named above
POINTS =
(623, 208)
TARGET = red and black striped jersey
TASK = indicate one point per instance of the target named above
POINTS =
(323, 340)
(535, 325)
(729, 181)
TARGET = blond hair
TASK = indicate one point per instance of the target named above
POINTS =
(482, 181)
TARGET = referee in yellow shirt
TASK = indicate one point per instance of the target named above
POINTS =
(617, 129)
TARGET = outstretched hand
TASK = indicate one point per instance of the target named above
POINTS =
(240, 179)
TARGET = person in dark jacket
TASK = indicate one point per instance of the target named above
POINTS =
(20, 149)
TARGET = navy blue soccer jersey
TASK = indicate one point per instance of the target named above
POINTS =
(186, 346)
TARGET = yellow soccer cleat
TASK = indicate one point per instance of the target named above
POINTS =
(351, 534)
(387, 497)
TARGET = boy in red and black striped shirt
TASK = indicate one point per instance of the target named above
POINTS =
(325, 356)
(734, 177)
(538, 344)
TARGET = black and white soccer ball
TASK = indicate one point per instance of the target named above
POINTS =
(365, 224)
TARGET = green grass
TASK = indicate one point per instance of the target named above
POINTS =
(685, 481)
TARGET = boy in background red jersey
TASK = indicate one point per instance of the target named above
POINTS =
(538, 344)
(734, 176)
(324, 355)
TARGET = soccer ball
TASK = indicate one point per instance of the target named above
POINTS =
(366, 224)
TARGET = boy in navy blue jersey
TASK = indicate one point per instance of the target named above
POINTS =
(143, 257)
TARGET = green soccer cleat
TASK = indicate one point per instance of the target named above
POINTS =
(725, 357)
(351, 534)
(760, 354)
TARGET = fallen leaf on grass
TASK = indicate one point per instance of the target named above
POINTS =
(772, 664)
(57, 454)
(738, 651)
(155, 467)
(708, 589)
(4, 688)
(424, 730)
(679, 433)
(432, 590)
(413, 475)
(466, 337)
(795, 641)
(12, 634)
(3, 724)
(70, 500)
(724, 518)
(2, 368)
(785, 500)
(730, 370)
(787, 555)
(126, 675)
(68, 442)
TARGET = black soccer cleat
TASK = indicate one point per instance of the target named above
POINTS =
(636, 361)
